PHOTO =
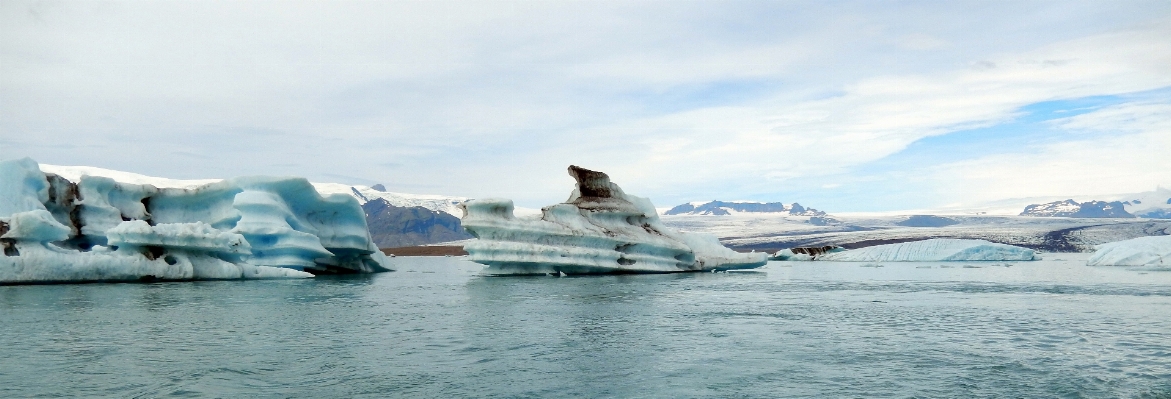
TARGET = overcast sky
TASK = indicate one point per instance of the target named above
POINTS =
(843, 106)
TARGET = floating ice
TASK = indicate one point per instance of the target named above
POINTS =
(599, 230)
(805, 253)
(934, 250)
(1142, 251)
(98, 229)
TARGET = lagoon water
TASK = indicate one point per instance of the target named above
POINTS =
(435, 328)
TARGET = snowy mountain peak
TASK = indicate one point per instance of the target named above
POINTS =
(1090, 209)
(732, 207)
(1148, 205)
(364, 194)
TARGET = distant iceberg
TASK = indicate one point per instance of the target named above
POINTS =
(98, 229)
(1142, 251)
(598, 230)
(805, 253)
(934, 250)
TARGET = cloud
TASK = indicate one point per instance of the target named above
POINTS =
(1128, 154)
(677, 101)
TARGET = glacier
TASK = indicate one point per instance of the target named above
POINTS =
(1141, 251)
(934, 250)
(599, 230)
(82, 227)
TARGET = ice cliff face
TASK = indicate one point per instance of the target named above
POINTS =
(720, 208)
(598, 230)
(99, 229)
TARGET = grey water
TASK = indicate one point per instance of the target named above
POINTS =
(435, 328)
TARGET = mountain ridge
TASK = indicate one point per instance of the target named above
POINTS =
(722, 208)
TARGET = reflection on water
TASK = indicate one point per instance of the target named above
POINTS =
(436, 328)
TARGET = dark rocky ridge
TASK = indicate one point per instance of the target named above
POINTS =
(392, 226)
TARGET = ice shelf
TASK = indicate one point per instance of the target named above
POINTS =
(598, 230)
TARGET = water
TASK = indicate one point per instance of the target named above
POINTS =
(1054, 328)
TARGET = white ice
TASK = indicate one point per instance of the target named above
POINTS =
(1142, 251)
(95, 228)
(598, 230)
(935, 250)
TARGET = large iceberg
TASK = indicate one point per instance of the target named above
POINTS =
(934, 250)
(1142, 251)
(599, 230)
(98, 229)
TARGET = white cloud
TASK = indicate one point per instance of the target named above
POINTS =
(681, 100)
(1130, 153)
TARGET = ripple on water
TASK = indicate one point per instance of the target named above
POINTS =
(1030, 330)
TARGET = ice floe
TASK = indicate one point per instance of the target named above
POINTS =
(95, 228)
(598, 230)
(935, 250)
(805, 253)
(1142, 251)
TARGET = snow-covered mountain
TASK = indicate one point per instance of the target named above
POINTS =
(1152, 204)
(1073, 209)
(733, 207)
(394, 226)
(440, 203)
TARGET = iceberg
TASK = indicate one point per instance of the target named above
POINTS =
(935, 250)
(805, 253)
(53, 229)
(1142, 251)
(598, 230)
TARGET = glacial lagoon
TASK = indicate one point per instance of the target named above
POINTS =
(436, 328)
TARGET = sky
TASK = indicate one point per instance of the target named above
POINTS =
(838, 105)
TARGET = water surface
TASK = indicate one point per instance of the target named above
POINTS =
(1054, 328)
